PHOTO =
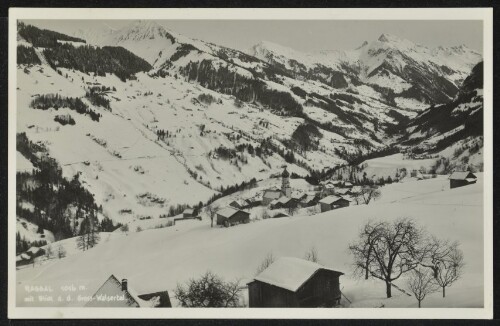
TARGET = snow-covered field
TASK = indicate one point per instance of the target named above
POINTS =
(158, 259)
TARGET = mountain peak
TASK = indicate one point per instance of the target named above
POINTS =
(143, 29)
(388, 38)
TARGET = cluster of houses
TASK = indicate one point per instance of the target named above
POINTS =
(288, 282)
(331, 195)
(29, 256)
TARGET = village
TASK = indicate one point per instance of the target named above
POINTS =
(284, 281)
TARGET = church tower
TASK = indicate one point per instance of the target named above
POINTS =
(285, 183)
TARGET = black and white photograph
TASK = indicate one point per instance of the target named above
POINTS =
(287, 162)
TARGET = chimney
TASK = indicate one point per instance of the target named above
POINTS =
(124, 285)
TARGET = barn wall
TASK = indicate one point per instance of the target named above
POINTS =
(262, 295)
(239, 217)
(322, 290)
(325, 207)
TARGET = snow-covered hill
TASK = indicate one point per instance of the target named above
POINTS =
(158, 259)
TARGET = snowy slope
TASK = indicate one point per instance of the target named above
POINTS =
(158, 259)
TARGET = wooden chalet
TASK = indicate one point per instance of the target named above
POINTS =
(294, 282)
(309, 200)
(189, 212)
(231, 216)
(333, 202)
(283, 202)
(462, 178)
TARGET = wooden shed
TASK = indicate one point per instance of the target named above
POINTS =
(463, 178)
(231, 216)
(189, 212)
(294, 282)
(332, 202)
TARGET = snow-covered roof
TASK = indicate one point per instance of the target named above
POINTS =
(33, 250)
(343, 191)
(25, 257)
(227, 212)
(188, 211)
(329, 185)
(272, 193)
(330, 199)
(116, 283)
(356, 189)
(284, 200)
(290, 272)
(347, 183)
(462, 175)
(308, 198)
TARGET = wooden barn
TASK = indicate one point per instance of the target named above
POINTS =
(23, 259)
(283, 202)
(231, 216)
(460, 179)
(294, 282)
(116, 293)
(309, 200)
(332, 202)
(189, 212)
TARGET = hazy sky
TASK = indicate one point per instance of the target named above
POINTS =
(303, 35)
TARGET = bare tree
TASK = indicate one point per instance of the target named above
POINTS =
(266, 263)
(395, 251)
(209, 290)
(363, 249)
(211, 211)
(312, 255)
(450, 268)
(421, 283)
(369, 193)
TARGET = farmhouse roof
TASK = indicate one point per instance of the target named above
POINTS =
(188, 211)
(330, 199)
(290, 273)
(308, 198)
(227, 212)
(462, 175)
(272, 193)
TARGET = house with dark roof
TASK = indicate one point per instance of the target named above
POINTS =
(462, 178)
(283, 202)
(231, 216)
(294, 282)
(239, 204)
(118, 294)
(309, 200)
(332, 202)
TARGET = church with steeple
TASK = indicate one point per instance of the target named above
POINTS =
(276, 193)
(285, 184)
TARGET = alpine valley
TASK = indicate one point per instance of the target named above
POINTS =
(141, 122)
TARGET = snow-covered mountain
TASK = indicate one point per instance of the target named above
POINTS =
(401, 70)
(201, 117)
